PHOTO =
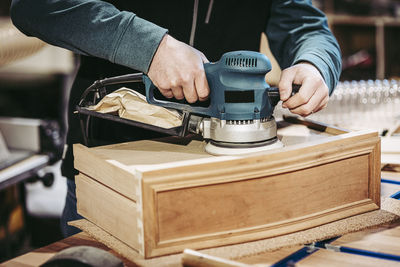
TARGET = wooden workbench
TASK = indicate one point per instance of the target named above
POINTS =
(385, 238)
(39, 256)
(381, 239)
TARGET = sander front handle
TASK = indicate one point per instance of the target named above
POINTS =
(274, 96)
(150, 87)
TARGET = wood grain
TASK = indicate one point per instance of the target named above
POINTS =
(326, 258)
(109, 172)
(290, 197)
(109, 210)
(384, 239)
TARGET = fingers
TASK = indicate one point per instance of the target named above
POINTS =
(167, 93)
(189, 91)
(178, 92)
(202, 87)
(306, 91)
(178, 71)
(316, 102)
(192, 89)
(313, 94)
(285, 84)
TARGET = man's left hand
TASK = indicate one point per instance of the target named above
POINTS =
(313, 94)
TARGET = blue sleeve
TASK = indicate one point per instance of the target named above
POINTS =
(90, 27)
(297, 31)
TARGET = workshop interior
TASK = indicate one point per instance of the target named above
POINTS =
(355, 141)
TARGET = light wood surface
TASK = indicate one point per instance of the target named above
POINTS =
(264, 201)
(41, 255)
(383, 239)
(109, 210)
(326, 258)
(197, 259)
(271, 257)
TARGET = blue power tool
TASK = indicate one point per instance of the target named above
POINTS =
(239, 117)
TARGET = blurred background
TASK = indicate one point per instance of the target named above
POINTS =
(35, 79)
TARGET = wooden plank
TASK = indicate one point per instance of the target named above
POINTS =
(270, 257)
(40, 255)
(28, 260)
(394, 176)
(388, 189)
(319, 126)
(109, 210)
(382, 239)
(328, 258)
(197, 259)
(391, 150)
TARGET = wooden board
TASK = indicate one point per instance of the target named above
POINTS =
(41, 255)
(326, 258)
(184, 197)
(384, 239)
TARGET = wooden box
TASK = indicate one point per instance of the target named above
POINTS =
(160, 197)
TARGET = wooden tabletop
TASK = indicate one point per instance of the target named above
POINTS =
(381, 239)
(41, 255)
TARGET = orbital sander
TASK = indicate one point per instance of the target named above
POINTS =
(238, 116)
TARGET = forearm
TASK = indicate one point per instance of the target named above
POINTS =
(298, 32)
(90, 27)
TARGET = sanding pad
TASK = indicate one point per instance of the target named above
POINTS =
(228, 151)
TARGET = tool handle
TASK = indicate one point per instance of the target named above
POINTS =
(150, 87)
(128, 78)
(274, 96)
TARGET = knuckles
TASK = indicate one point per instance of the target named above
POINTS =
(304, 111)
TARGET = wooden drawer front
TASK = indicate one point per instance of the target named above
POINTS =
(263, 203)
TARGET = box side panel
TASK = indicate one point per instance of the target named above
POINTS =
(109, 210)
(264, 202)
(107, 171)
(375, 174)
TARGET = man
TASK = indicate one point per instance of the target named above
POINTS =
(151, 36)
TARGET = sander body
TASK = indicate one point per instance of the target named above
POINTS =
(238, 117)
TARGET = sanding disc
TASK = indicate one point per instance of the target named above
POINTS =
(228, 151)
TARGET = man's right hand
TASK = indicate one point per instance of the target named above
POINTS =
(177, 71)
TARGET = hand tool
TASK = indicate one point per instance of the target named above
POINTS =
(239, 116)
